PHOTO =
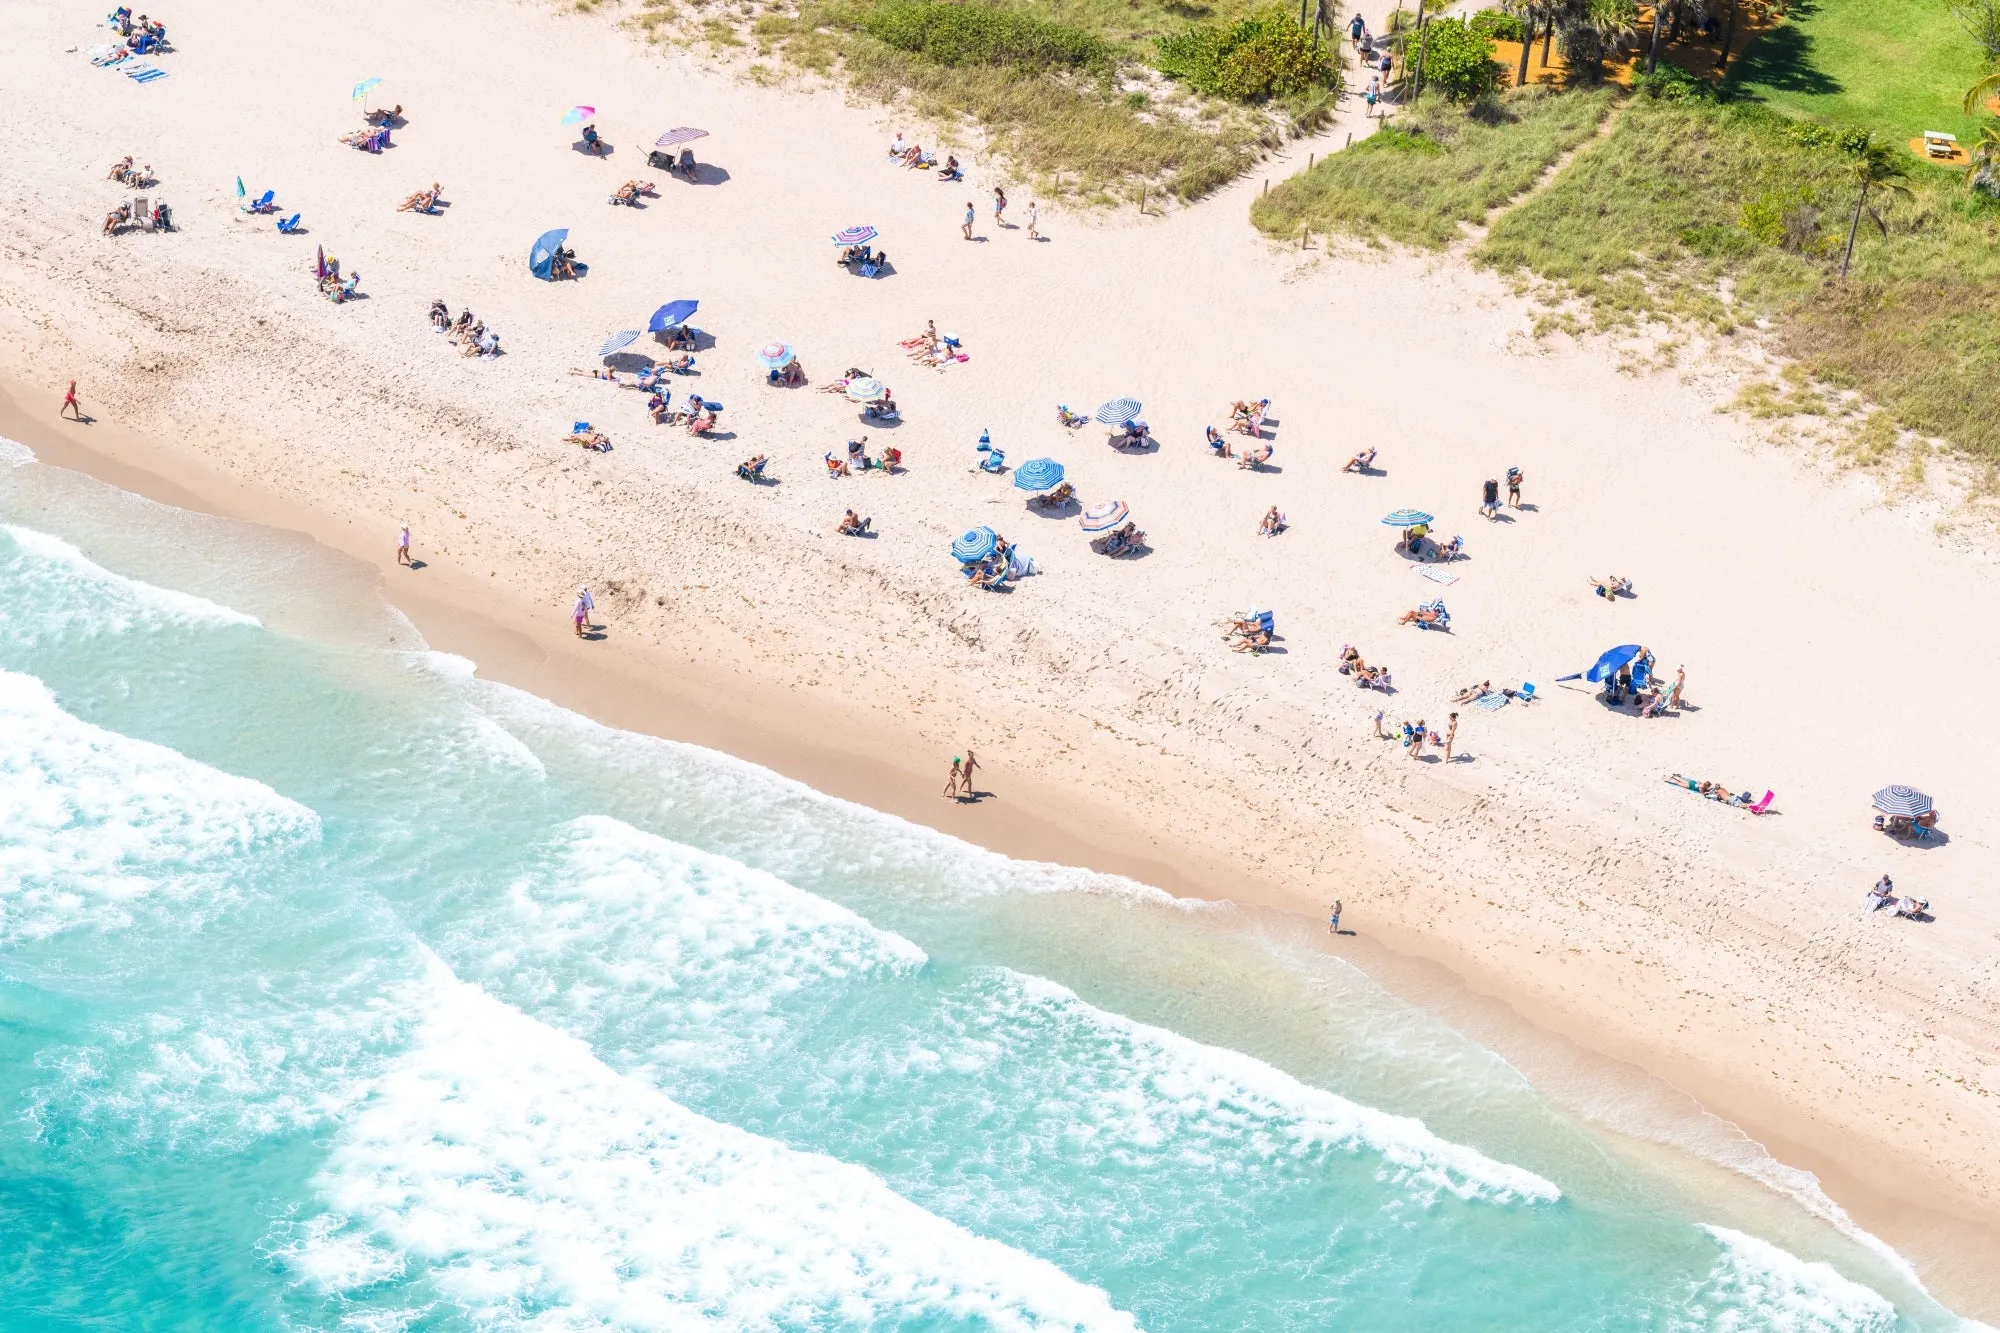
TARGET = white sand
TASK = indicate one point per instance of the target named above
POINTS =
(1833, 645)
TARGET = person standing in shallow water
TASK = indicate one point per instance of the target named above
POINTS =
(1333, 919)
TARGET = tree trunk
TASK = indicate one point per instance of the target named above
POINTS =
(1852, 228)
(1653, 50)
(1728, 36)
(1423, 40)
(1527, 40)
(1548, 35)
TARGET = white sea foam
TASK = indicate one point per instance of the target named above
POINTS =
(696, 947)
(13, 453)
(533, 1187)
(76, 595)
(1132, 1087)
(1755, 1287)
(95, 820)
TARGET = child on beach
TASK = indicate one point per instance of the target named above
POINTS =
(1034, 214)
(999, 207)
(969, 215)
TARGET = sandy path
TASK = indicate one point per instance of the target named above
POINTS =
(1827, 638)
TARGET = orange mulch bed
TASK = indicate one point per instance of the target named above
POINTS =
(1695, 54)
(1959, 157)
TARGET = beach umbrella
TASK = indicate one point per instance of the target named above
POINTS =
(775, 356)
(1407, 518)
(366, 86)
(576, 115)
(240, 191)
(865, 390)
(1104, 517)
(674, 138)
(1118, 411)
(975, 545)
(543, 255)
(855, 235)
(1611, 659)
(1038, 474)
(621, 339)
(1906, 802)
(671, 314)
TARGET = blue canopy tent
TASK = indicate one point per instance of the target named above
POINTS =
(975, 545)
(1038, 474)
(671, 315)
(543, 255)
(1607, 663)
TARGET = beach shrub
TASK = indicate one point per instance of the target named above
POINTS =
(1497, 25)
(1264, 56)
(1673, 84)
(1457, 61)
(962, 34)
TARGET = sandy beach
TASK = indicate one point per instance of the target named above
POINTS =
(1827, 636)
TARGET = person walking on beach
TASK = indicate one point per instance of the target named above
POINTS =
(1380, 734)
(579, 616)
(1450, 735)
(1514, 487)
(951, 783)
(999, 207)
(1034, 215)
(969, 215)
(70, 404)
(403, 545)
(1333, 919)
(965, 774)
(1355, 27)
(1489, 498)
(1374, 93)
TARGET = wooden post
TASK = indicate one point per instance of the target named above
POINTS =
(1142, 201)
(1350, 140)
(1309, 161)
(1267, 185)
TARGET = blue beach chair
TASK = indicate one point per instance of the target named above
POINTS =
(286, 226)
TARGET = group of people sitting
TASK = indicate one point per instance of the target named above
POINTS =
(138, 178)
(1884, 895)
(857, 460)
(468, 331)
(141, 34)
(562, 264)
(1247, 418)
(790, 375)
(1716, 791)
(628, 193)
(1904, 826)
(913, 155)
(853, 526)
(1367, 677)
(333, 287)
(1058, 498)
(931, 348)
(1250, 632)
(423, 201)
(372, 140)
(696, 413)
(860, 259)
(1637, 682)
(1417, 542)
(1126, 540)
(1134, 434)
(159, 216)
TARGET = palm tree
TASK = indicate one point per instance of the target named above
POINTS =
(1984, 172)
(1876, 166)
(1590, 26)
(1977, 92)
(1526, 13)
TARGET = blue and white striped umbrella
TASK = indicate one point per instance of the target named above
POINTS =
(855, 235)
(1118, 411)
(1104, 516)
(622, 339)
(1407, 518)
(975, 545)
(1900, 800)
(1038, 474)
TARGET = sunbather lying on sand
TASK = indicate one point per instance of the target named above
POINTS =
(589, 439)
(1420, 616)
(390, 117)
(630, 191)
(423, 201)
(1361, 462)
(1471, 692)
(1611, 586)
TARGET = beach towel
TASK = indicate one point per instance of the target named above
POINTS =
(1436, 575)
(1491, 702)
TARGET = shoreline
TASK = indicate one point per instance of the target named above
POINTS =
(1955, 1254)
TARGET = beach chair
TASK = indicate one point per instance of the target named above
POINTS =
(995, 461)
(750, 473)
(1764, 804)
(142, 213)
(1527, 691)
(261, 204)
(286, 226)
(1443, 620)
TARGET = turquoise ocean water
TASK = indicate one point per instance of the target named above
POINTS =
(340, 989)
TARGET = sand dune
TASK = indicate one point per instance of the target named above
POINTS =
(1831, 642)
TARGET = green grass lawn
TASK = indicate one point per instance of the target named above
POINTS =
(1898, 67)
